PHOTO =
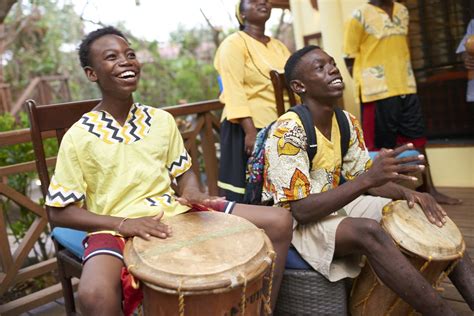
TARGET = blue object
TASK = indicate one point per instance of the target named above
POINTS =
(219, 82)
(404, 154)
(70, 239)
(295, 261)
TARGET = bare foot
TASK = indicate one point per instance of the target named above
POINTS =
(444, 199)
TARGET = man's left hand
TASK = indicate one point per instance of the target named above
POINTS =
(433, 211)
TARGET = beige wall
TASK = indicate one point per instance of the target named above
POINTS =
(330, 22)
(452, 166)
(305, 20)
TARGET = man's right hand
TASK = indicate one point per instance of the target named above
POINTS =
(387, 167)
(145, 227)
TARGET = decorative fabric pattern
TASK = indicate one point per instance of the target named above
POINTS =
(287, 176)
(180, 165)
(60, 196)
(381, 26)
(102, 125)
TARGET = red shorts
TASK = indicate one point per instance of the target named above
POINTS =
(108, 244)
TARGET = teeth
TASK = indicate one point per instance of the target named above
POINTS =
(336, 81)
(127, 74)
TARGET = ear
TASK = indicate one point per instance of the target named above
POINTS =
(297, 86)
(90, 74)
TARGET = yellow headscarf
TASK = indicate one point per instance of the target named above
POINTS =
(237, 12)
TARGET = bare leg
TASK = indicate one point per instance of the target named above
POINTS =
(365, 236)
(428, 185)
(100, 289)
(278, 225)
(462, 277)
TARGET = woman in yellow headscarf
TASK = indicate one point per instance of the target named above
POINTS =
(244, 61)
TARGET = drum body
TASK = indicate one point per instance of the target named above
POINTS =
(430, 249)
(214, 264)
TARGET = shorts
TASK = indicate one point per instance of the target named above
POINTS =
(108, 244)
(316, 242)
(393, 121)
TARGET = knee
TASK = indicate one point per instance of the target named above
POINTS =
(371, 234)
(281, 228)
(95, 297)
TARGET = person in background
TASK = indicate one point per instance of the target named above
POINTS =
(244, 61)
(468, 58)
(377, 56)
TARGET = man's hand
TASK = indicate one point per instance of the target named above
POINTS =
(433, 211)
(387, 167)
(250, 134)
(468, 61)
(199, 199)
(145, 227)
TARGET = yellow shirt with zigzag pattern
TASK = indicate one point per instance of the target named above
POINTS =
(123, 171)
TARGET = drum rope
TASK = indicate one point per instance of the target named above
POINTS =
(268, 305)
(180, 300)
(447, 272)
(243, 299)
(392, 307)
(366, 298)
(426, 264)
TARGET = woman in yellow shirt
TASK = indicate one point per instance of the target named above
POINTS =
(244, 61)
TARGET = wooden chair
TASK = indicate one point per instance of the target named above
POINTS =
(281, 89)
(57, 118)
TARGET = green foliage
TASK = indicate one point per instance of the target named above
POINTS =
(19, 219)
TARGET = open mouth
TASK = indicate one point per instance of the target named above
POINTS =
(127, 75)
(337, 83)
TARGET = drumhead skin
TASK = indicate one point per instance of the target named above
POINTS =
(208, 252)
(412, 231)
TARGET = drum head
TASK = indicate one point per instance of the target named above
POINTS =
(208, 251)
(412, 231)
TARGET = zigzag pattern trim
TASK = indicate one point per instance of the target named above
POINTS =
(104, 126)
(59, 196)
(110, 125)
(180, 165)
(163, 200)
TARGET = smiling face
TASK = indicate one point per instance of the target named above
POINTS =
(255, 10)
(113, 65)
(317, 77)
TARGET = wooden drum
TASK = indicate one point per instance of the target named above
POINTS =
(214, 264)
(432, 250)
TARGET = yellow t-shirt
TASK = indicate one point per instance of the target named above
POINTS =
(286, 174)
(379, 45)
(244, 65)
(123, 171)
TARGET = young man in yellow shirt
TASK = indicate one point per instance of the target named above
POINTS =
(378, 57)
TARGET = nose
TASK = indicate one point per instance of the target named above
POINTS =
(124, 61)
(333, 69)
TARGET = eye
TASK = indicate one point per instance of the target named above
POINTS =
(131, 55)
(110, 56)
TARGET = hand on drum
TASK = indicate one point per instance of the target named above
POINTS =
(145, 227)
(433, 211)
(387, 167)
(198, 199)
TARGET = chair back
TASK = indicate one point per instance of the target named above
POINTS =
(52, 118)
(281, 88)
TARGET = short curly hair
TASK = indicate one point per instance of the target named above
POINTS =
(293, 61)
(84, 47)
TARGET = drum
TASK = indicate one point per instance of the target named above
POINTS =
(431, 249)
(214, 264)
